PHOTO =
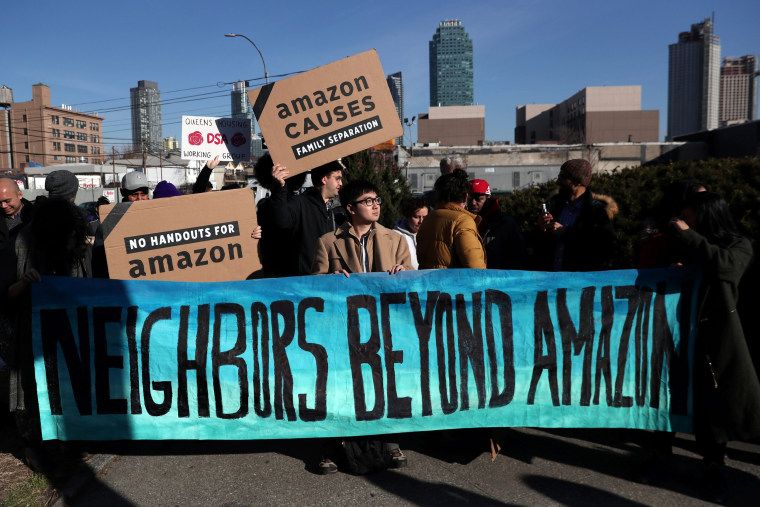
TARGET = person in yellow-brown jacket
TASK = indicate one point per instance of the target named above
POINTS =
(448, 238)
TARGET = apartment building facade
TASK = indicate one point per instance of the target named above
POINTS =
(34, 132)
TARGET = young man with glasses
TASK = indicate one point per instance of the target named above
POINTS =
(362, 245)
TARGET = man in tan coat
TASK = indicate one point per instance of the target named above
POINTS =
(361, 245)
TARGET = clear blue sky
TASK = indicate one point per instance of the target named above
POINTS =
(527, 51)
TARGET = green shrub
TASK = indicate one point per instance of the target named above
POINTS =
(638, 190)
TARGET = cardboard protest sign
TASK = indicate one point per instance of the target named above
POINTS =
(199, 237)
(203, 138)
(329, 356)
(326, 113)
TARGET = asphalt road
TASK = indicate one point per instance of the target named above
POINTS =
(536, 467)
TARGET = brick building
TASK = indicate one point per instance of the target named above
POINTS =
(35, 132)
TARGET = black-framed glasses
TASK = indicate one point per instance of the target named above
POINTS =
(369, 201)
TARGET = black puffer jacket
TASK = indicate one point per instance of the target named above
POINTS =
(308, 217)
(503, 240)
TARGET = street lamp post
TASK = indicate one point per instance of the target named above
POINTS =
(266, 74)
(410, 124)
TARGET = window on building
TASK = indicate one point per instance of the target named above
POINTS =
(95, 150)
(94, 138)
(54, 120)
(69, 147)
(68, 122)
(71, 160)
(515, 180)
(56, 157)
(26, 132)
(81, 136)
(26, 145)
(68, 134)
(94, 126)
(56, 145)
(56, 132)
(81, 148)
(23, 118)
(83, 160)
(81, 124)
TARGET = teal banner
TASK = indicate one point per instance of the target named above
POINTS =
(326, 356)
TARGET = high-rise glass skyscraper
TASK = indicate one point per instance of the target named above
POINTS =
(738, 90)
(451, 75)
(241, 108)
(396, 85)
(146, 116)
(694, 81)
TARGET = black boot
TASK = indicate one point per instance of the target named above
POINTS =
(714, 481)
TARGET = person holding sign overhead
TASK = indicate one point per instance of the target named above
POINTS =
(309, 216)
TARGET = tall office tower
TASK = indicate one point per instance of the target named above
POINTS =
(396, 86)
(146, 116)
(241, 108)
(451, 76)
(694, 81)
(738, 90)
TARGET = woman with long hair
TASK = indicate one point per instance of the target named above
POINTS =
(726, 387)
(54, 243)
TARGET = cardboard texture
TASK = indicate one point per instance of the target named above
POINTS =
(191, 238)
(332, 111)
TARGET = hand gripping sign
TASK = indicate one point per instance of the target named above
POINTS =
(326, 113)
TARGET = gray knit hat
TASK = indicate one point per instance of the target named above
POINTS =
(62, 183)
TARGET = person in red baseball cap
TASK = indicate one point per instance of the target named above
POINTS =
(503, 240)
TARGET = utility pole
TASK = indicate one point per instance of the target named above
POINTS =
(113, 164)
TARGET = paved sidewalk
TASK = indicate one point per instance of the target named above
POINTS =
(536, 467)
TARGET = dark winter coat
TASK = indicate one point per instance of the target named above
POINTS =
(276, 261)
(503, 240)
(726, 390)
(588, 243)
(309, 218)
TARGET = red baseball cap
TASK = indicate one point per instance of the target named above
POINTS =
(480, 187)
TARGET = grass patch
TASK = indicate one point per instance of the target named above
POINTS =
(34, 491)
